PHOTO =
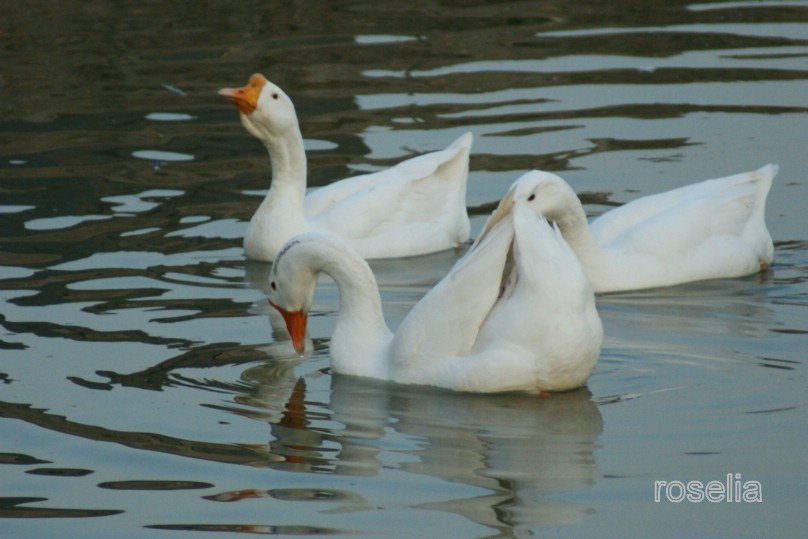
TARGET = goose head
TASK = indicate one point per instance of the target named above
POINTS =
(266, 111)
(545, 193)
(291, 289)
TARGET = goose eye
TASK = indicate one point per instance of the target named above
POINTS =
(273, 286)
(531, 197)
(274, 95)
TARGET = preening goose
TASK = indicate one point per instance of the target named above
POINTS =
(515, 313)
(707, 230)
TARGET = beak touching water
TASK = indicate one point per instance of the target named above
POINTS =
(295, 325)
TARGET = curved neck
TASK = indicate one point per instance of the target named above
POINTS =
(574, 227)
(360, 334)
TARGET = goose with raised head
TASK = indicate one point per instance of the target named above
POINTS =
(415, 207)
(708, 230)
(515, 313)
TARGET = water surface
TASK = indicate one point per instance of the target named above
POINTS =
(145, 388)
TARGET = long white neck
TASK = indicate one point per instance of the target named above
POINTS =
(281, 214)
(361, 336)
(286, 154)
(574, 227)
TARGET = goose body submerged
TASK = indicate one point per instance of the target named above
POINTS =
(515, 313)
(413, 208)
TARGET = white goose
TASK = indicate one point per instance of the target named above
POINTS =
(413, 208)
(515, 313)
(708, 230)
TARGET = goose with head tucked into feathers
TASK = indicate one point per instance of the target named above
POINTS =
(416, 207)
(515, 313)
(708, 230)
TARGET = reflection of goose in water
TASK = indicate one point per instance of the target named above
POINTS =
(276, 395)
(521, 449)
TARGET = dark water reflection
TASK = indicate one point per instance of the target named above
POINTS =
(142, 378)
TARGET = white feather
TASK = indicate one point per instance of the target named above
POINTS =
(708, 230)
(413, 208)
(515, 313)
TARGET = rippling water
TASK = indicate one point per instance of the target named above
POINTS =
(144, 390)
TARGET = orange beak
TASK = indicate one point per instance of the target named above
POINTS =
(295, 325)
(246, 98)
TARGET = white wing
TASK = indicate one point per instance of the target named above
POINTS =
(651, 210)
(447, 320)
(323, 199)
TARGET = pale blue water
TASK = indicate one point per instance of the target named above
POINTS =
(143, 392)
